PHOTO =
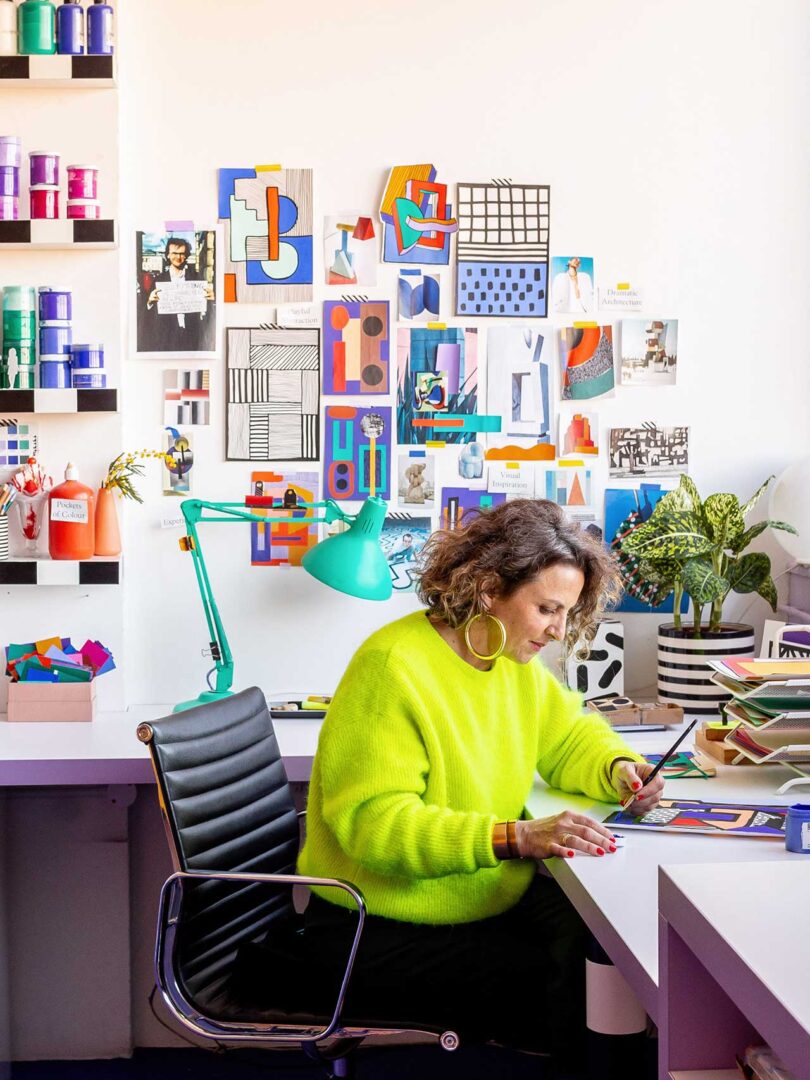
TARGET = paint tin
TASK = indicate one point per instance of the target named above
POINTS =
(88, 380)
(55, 304)
(44, 165)
(9, 180)
(19, 353)
(87, 356)
(54, 373)
(25, 378)
(44, 202)
(82, 181)
(55, 339)
(84, 208)
(9, 208)
(797, 828)
(10, 150)
(19, 326)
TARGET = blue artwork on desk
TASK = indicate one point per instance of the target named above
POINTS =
(716, 819)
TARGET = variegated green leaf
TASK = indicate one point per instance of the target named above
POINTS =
(747, 573)
(669, 535)
(660, 571)
(767, 590)
(726, 521)
(751, 534)
(688, 485)
(749, 506)
(702, 583)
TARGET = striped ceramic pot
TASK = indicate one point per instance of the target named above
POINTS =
(683, 675)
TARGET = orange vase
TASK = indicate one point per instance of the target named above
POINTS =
(108, 536)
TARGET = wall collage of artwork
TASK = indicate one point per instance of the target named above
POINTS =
(356, 389)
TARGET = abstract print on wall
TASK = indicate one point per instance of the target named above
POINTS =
(273, 394)
(268, 234)
(579, 433)
(437, 385)
(567, 485)
(419, 295)
(649, 451)
(355, 347)
(649, 352)
(625, 510)
(416, 217)
(403, 537)
(186, 396)
(350, 250)
(458, 501)
(357, 456)
(502, 252)
(517, 382)
(283, 543)
(18, 442)
(586, 362)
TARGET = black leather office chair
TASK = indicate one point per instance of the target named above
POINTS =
(230, 960)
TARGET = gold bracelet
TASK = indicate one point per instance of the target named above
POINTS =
(500, 840)
(511, 839)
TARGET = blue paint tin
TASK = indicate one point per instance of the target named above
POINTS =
(89, 380)
(797, 828)
(87, 356)
(55, 338)
(55, 305)
(54, 372)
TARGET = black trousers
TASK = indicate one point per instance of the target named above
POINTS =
(517, 978)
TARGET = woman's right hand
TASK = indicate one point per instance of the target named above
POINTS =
(566, 834)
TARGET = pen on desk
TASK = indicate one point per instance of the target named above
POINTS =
(659, 766)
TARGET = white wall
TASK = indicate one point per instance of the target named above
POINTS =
(673, 140)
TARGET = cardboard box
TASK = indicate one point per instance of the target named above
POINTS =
(31, 702)
(710, 741)
(620, 710)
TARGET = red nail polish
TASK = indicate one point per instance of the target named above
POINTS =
(600, 851)
(636, 785)
(570, 854)
(612, 847)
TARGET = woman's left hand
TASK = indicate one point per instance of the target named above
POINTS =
(627, 778)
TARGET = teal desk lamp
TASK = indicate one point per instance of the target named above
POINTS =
(351, 562)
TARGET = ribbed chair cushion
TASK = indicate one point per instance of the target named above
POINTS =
(230, 808)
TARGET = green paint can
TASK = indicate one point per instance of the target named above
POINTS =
(36, 28)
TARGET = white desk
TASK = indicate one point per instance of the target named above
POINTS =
(734, 949)
(617, 895)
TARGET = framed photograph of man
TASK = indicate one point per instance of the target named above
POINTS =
(177, 289)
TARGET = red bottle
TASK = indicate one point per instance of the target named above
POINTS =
(71, 518)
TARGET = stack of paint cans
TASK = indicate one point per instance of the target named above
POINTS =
(9, 177)
(87, 365)
(18, 370)
(55, 337)
(44, 190)
(83, 192)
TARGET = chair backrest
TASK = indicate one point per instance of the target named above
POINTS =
(227, 806)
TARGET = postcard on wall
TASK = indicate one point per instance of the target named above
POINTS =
(402, 539)
(356, 347)
(572, 291)
(518, 382)
(579, 433)
(649, 351)
(649, 451)
(716, 819)
(298, 316)
(177, 288)
(279, 542)
(458, 502)
(437, 385)
(416, 478)
(621, 297)
(350, 249)
(267, 214)
(502, 250)
(471, 458)
(586, 362)
(186, 397)
(569, 484)
(416, 217)
(18, 442)
(419, 295)
(177, 471)
(514, 478)
(357, 460)
(273, 394)
(588, 522)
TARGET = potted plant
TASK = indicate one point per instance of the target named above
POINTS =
(697, 548)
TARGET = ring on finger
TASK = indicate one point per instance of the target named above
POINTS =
(566, 839)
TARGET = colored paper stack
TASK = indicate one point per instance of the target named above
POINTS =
(56, 659)
(9, 177)
(55, 337)
(18, 369)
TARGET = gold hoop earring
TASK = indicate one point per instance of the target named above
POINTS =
(498, 623)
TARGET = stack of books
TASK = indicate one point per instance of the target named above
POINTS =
(771, 707)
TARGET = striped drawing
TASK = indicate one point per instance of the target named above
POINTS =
(273, 389)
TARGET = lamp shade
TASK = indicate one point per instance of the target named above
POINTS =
(790, 502)
(353, 561)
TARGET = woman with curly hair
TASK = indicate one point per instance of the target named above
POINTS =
(423, 768)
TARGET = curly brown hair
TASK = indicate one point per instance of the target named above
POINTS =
(496, 551)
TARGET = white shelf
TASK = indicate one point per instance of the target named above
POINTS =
(58, 72)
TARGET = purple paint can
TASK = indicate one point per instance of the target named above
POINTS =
(88, 380)
(54, 373)
(55, 339)
(44, 202)
(44, 167)
(82, 181)
(10, 150)
(87, 356)
(9, 208)
(84, 208)
(55, 304)
(9, 180)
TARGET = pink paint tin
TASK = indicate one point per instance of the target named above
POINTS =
(44, 168)
(44, 202)
(82, 181)
(83, 208)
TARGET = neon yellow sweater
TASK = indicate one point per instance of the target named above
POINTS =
(420, 755)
